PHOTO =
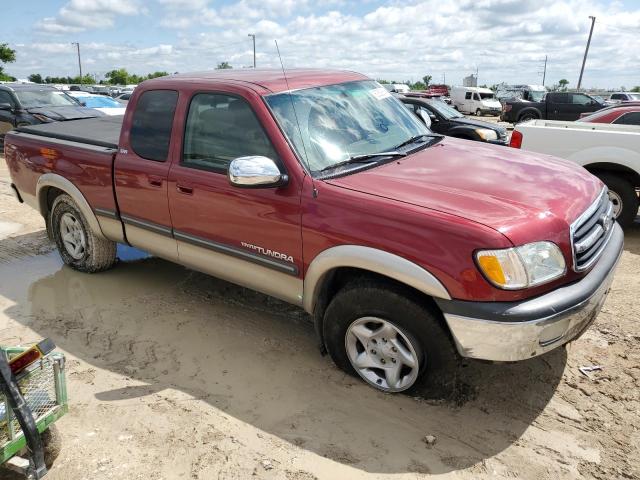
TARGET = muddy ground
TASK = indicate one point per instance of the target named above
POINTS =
(176, 375)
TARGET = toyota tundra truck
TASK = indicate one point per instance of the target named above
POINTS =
(408, 249)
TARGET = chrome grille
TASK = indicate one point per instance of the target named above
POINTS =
(591, 232)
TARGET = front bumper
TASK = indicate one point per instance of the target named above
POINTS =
(510, 331)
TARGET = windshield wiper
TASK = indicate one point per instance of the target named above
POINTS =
(417, 138)
(364, 158)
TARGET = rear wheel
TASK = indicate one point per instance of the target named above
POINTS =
(79, 246)
(525, 117)
(623, 196)
(389, 337)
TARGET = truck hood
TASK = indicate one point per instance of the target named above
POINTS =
(514, 192)
(66, 113)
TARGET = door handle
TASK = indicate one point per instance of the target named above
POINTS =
(184, 189)
(155, 181)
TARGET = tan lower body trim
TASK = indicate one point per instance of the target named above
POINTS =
(111, 228)
(247, 274)
(160, 245)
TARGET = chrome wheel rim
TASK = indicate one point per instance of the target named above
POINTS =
(616, 200)
(382, 354)
(73, 237)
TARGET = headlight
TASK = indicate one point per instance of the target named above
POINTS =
(486, 134)
(522, 267)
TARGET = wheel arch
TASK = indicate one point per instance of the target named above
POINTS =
(354, 258)
(615, 168)
(50, 185)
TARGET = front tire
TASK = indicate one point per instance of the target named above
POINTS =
(624, 198)
(79, 246)
(389, 337)
(478, 113)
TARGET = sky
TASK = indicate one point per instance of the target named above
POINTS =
(505, 40)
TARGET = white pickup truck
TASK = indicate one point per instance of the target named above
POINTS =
(610, 152)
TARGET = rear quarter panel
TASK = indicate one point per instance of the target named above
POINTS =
(88, 168)
(584, 144)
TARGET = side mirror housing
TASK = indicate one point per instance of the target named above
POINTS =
(426, 118)
(6, 106)
(255, 172)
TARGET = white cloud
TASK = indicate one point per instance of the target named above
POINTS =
(80, 15)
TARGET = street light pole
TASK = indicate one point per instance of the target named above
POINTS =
(586, 51)
(254, 48)
(79, 63)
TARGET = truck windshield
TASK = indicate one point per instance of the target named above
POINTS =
(44, 98)
(329, 125)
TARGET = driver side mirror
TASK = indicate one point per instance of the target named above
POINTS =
(6, 106)
(426, 117)
(255, 172)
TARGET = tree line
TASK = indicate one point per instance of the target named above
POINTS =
(114, 77)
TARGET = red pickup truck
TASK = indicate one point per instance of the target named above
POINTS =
(408, 249)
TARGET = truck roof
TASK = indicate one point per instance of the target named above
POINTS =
(271, 80)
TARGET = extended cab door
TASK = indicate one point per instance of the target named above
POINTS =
(141, 171)
(558, 106)
(250, 236)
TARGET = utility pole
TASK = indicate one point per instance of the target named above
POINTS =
(477, 76)
(544, 72)
(79, 63)
(444, 78)
(586, 51)
(254, 48)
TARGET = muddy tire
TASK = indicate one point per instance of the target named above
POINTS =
(52, 443)
(371, 326)
(79, 246)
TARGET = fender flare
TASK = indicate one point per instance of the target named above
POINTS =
(370, 259)
(61, 183)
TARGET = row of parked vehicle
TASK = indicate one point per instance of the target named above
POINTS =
(408, 248)
(31, 104)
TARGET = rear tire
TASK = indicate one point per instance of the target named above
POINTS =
(79, 246)
(525, 117)
(624, 197)
(378, 306)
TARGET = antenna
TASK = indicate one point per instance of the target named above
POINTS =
(286, 81)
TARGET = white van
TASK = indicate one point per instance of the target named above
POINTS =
(476, 100)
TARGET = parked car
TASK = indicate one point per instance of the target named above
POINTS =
(553, 106)
(529, 93)
(417, 247)
(627, 113)
(104, 104)
(441, 118)
(397, 87)
(475, 100)
(610, 152)
(31, 104)
(619, 97)
(124, 97)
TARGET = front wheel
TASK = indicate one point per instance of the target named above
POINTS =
(79, 246)
(624, 198)
(478, 113)
(389, 337)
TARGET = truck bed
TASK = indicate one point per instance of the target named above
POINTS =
(99, 131)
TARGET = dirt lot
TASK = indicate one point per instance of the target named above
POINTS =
(176, 375)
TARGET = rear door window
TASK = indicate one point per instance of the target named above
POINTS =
(559, 98)
(220, 128)
(150, 134)
(631, 118)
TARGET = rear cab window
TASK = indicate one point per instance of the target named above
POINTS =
(150, 133)
(219, 128)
